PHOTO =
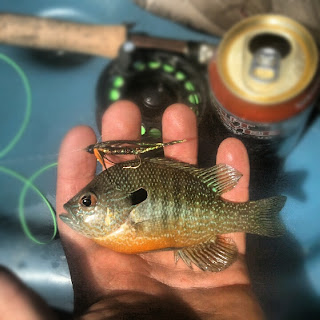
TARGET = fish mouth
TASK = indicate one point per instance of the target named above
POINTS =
(68, 217)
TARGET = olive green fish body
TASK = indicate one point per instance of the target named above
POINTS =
(164, 204)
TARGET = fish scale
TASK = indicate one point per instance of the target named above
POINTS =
(176, 206)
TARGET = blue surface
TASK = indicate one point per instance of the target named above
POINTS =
(65, 97)
(303, 217)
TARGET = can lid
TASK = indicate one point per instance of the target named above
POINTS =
(267, 59)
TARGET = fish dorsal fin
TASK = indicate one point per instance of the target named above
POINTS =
(214, 255)
(220, 178)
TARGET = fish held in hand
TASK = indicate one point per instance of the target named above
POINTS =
(168, 205)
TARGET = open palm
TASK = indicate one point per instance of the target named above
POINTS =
(150, 285)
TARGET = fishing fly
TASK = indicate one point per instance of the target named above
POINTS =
(102, 150)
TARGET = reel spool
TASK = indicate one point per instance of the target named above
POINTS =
(153, 80)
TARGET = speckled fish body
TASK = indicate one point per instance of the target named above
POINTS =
(163, 204)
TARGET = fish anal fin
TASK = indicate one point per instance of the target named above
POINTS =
(214, 255)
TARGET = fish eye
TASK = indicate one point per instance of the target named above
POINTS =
(88, 200)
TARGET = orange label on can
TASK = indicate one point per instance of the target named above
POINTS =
(256, 112)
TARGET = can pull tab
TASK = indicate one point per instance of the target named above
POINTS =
(265, 64)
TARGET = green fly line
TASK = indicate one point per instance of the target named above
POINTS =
(27, 113)
(28, 183)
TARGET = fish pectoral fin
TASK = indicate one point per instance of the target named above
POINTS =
(141, 220)
(214, 255)
(144, 226)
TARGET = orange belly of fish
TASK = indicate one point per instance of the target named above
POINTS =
(128, 240)
(136, 245)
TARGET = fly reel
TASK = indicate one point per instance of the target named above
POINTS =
(153, 80)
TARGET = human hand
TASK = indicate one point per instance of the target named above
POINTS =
(150, 285)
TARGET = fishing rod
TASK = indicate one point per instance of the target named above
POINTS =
(101, 40)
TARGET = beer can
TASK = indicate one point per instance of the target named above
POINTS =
(264, 80)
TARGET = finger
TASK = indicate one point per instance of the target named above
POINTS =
(232, 152)
(121, 121)
(17, 301)
(74, 171)
(179, 122)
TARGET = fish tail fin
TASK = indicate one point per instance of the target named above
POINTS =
(264, 218)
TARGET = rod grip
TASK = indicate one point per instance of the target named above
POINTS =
(51, 34)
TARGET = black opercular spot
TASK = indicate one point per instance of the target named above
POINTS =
(138, 196)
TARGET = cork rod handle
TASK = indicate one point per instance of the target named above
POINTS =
(44, 33)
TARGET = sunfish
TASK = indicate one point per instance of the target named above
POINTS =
(163, 204)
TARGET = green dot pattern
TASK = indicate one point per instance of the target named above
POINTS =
(114, 94)
(154, 64)
(180, 76)
(194, 98)
(155, 133)
(168, 68)
(118, 82)
(189, 86)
